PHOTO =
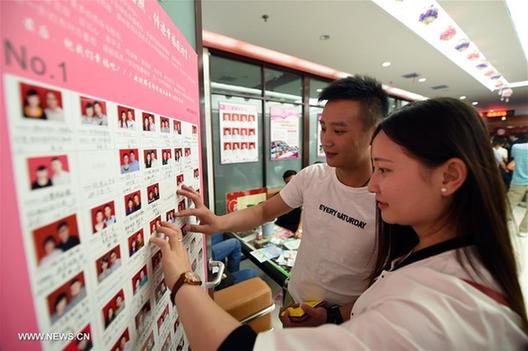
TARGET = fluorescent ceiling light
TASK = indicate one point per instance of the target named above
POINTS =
(474, 103)
(244, 90)
(429, 20)
(403, 93)
(385, 64)
(421, 80)
(462, 97)
(518, 10)
(524, 83)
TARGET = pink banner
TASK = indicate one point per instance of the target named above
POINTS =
(87, 87)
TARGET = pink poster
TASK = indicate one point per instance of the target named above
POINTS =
(285, 133)
(320, 150)
(100, 126)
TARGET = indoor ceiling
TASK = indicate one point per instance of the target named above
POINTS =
(362, 36)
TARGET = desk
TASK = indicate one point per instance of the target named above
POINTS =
(279, 273)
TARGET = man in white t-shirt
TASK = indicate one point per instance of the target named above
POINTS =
(500, 153)
(337, 252)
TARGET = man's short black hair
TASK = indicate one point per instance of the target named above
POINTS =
(60, 297)
(368, 91)
(62, 225)
(31, 92)
(49, 239)
(288, 174)
(42, 168)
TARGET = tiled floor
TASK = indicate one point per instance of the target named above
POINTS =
(520, 247)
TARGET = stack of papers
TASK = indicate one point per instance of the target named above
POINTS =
(292, 244)
(266, 253)
(287, 258)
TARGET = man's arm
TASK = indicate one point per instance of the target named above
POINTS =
(237, 221)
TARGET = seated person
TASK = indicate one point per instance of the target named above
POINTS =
(292, 219)
(230, 248)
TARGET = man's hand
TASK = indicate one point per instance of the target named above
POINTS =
(209, 222)
(316, 317)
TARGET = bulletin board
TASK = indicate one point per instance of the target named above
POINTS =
(238, 133)
(99, 128)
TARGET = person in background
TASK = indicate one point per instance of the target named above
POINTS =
(230, 249)
(519, 182)
(32, 106)
(501, 156)
(436, 282)
(53, 111)
(292, 219)
(335, 257)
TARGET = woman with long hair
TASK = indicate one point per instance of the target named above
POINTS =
(445, 275)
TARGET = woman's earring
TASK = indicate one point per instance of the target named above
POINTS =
(443, 190)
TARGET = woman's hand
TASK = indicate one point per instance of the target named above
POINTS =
(174, 256)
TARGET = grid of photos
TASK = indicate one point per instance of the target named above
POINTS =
(238, 133)
(99, 196)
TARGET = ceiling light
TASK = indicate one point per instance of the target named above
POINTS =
(463, 97)
(319, 90)
(324, 37)
(518, 10)
(385, 64)
(474, 103)
(421, 80)
(503, 118)
(437, 28)
(524, 83)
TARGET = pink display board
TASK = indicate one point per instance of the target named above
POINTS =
(285, 133)
(100, 126)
